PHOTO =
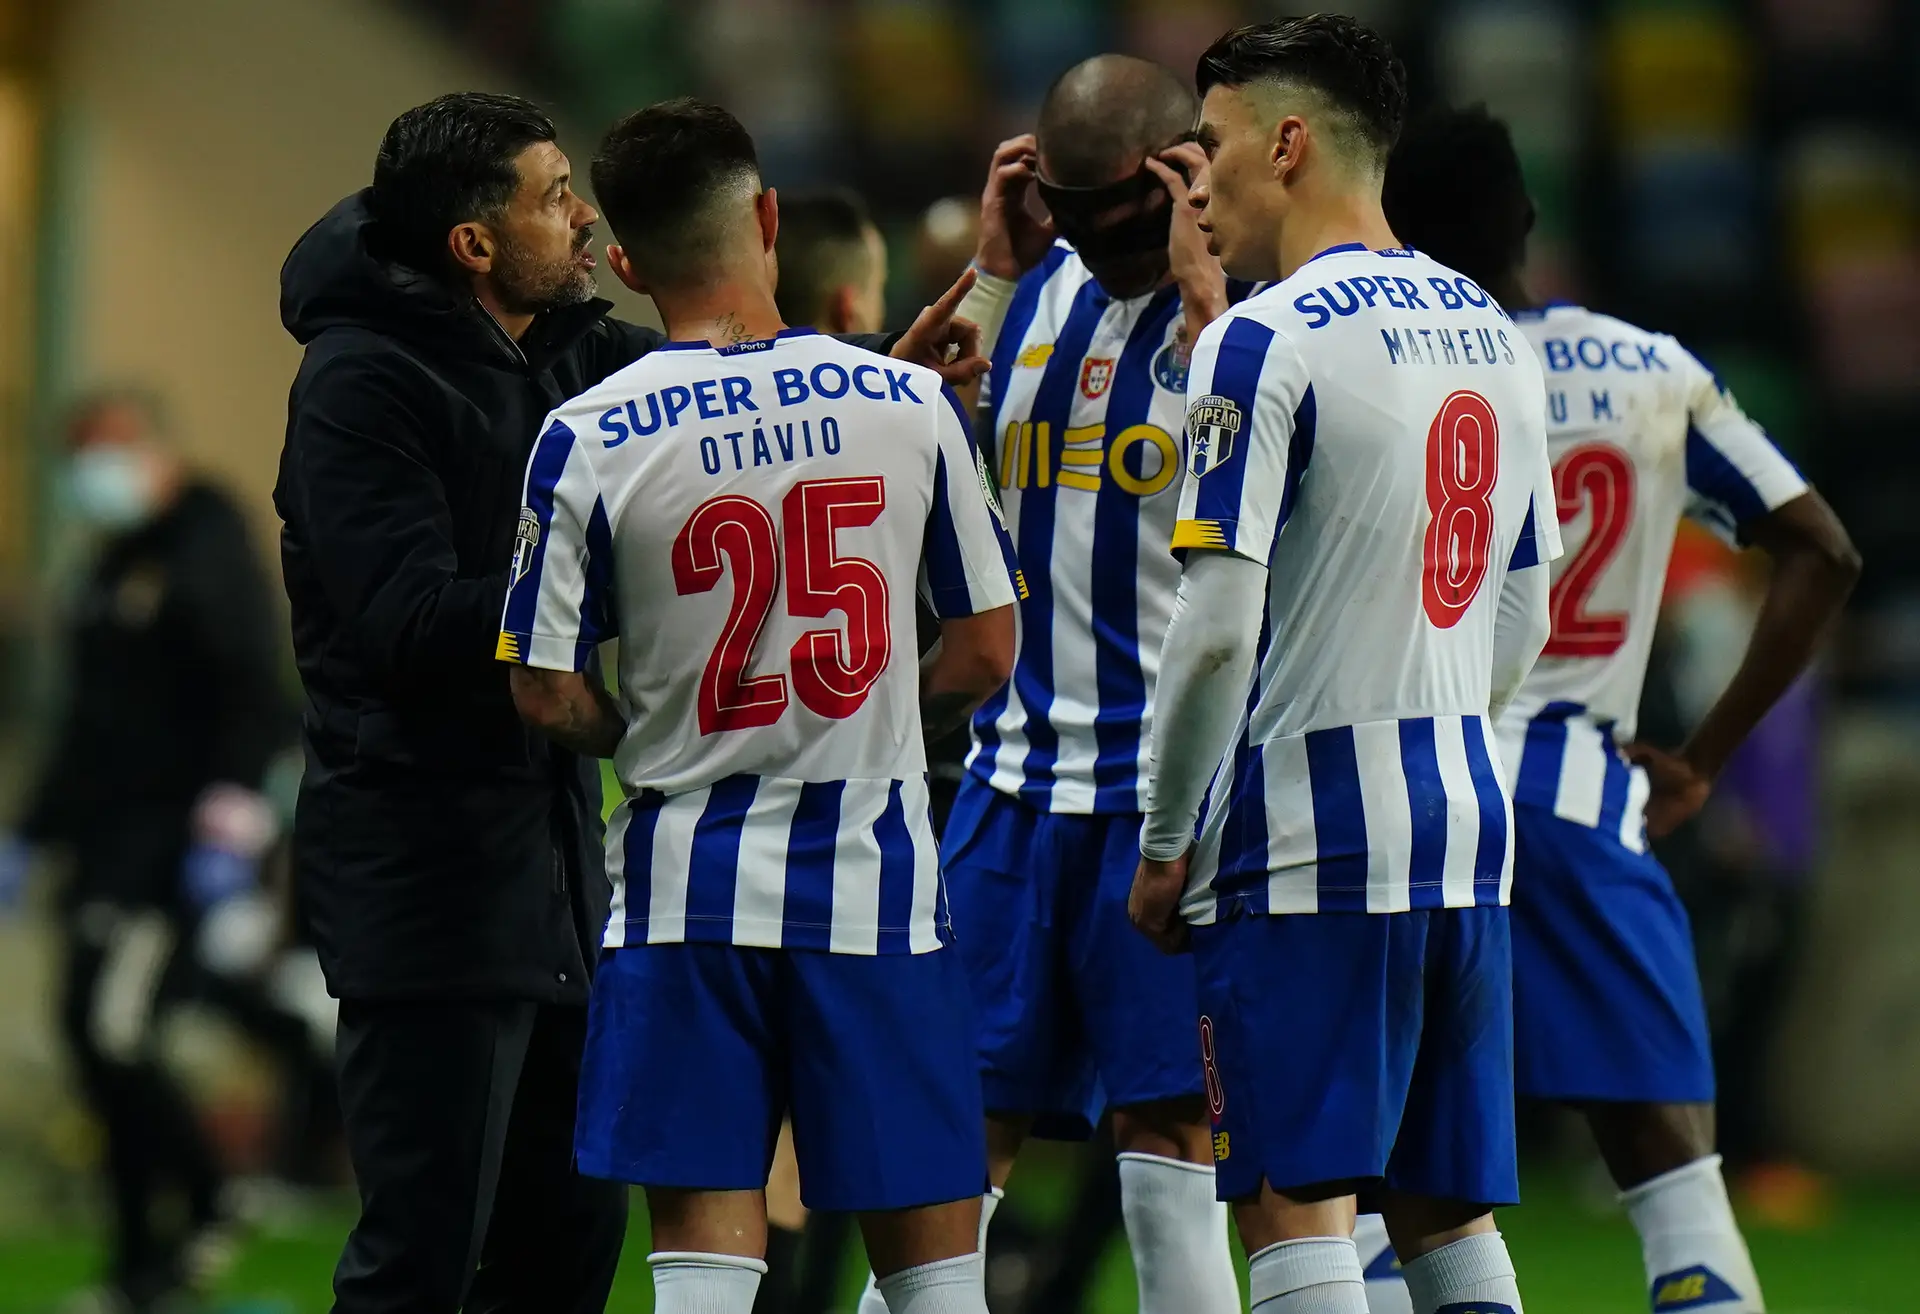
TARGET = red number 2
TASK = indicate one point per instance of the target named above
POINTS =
(1602, 476)
(829, 679)
(1463, 460)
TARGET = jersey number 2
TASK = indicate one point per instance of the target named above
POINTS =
(1463, 460)
(832, 671)
(1599, 475)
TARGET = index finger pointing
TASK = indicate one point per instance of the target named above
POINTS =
(950, 299)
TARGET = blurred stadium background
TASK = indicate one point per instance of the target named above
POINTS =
(1742, 173)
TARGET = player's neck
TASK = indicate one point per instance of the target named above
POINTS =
(1333, 220)
(1512, 294)
(722, 314)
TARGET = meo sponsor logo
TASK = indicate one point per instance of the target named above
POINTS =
(1212, 423)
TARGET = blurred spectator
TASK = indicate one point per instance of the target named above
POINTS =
(943, 244)
(833, 264)
(151, 789)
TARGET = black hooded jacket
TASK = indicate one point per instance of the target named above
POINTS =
(441, 848)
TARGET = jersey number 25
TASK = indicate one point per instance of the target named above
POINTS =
(832, 671)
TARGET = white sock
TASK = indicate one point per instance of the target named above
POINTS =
(1178, 1233)
(1386, 1289)
(696, 1282)
(1690, 1243)
(872, 1302)
(1473, 1275)
(946, 1286)
(1317, 1275)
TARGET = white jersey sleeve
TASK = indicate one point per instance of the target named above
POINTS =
(1248, 399)
(968, 566)
(1734, 472)
(560, 595)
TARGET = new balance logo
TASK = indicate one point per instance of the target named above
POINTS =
(1690, 1288)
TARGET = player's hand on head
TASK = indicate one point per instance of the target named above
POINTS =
(1153, 906)
(1203, 283)
(941, 342)
(1012, 238)
(1679, 789)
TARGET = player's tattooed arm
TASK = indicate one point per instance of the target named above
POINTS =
(571, 708)
(973, 657)
(1815, 566)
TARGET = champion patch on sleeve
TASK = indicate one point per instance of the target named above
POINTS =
(1212, 424)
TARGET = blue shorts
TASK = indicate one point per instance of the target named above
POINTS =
(1077, 1010)
(1361, 1046)
(1606, 996)
(696, 1051)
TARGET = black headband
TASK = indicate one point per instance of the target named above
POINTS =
(1076, 211)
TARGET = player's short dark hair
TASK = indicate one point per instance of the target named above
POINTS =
(658, 171)
(448, 162)
(1347, 62)
(822, 246)
(1455, 190)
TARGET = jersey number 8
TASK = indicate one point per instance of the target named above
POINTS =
(1463, 460)
(832, 671)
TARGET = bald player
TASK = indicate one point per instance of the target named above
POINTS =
(1095, 310)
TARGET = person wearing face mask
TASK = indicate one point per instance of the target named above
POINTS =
(172, 714)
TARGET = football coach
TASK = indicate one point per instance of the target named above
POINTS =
(448, 861)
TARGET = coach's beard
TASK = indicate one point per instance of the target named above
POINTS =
(528, 286)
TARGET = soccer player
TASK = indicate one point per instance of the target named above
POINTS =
(833, 264)
(1363, 520)
(1085, 407)
(748, 510)
(1608, 1014)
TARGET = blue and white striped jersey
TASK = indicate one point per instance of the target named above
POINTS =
(1371, 430)
(1086, 403)
(750, 522)
(1640, 433)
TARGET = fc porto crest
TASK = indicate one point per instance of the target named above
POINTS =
(1170, 368)
(1096, 376)
(1212, 424)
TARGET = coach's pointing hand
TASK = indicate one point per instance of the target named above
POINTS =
(943, 343)
(1154, 904)
(1012, 239)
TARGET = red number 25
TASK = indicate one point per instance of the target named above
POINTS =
(832, 671)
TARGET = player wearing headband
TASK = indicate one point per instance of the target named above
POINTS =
(1083, 416)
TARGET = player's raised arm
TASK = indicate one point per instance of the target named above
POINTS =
(970, 579)
(1743, 488)
(559, 604)
(1249, 436)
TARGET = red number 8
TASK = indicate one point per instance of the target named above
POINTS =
(1463, 460)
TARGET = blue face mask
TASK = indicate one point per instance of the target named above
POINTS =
(111, 486)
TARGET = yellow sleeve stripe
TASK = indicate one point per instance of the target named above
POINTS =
(508, 649)
(1199, 534)
(1020, 584)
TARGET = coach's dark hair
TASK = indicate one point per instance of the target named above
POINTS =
(822, 246)
(1455, 190)
(446, 163)
(657, 174)
(1347, 62)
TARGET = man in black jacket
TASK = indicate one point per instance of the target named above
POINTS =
(172, 713)
(447, 859)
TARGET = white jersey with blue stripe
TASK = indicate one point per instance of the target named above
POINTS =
(1640, 433)
(1086, 400)
(1370, 430)
(750, 522)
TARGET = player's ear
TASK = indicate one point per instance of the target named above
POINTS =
(472, 247)
(766, 208)
(1287, 145)
(623, 268)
